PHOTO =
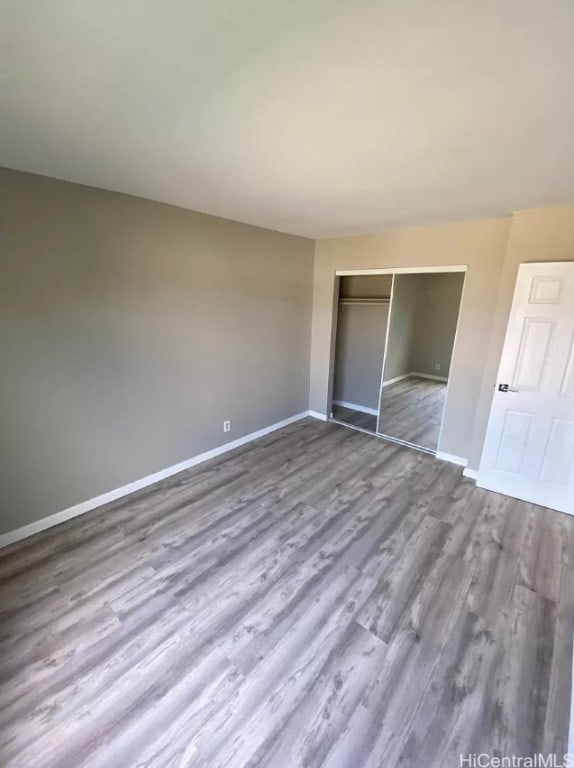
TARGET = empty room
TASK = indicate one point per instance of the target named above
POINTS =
(287, 384)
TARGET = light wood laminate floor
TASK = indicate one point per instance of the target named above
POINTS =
(317, 598)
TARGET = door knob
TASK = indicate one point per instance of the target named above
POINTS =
(506, 388)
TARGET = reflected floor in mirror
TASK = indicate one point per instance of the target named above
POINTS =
(354, 418)
(412, 410)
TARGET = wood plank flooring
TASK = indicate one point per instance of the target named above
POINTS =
(317, 598)
(412, 410)
(355, 418)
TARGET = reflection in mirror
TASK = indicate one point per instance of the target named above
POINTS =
(422, 328)
(360, 340)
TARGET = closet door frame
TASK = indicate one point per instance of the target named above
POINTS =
(387, 334)
(339, 273)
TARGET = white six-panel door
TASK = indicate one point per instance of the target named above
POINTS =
(529, 448)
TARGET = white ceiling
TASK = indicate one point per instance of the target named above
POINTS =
(317, 117)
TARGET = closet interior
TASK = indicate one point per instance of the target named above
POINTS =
(395, 336)
(362, 318)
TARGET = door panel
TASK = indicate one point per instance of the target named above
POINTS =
(513, 441)
(529, 447)
(559, 455)
(567, 387)
(533, 353)
(545, 289)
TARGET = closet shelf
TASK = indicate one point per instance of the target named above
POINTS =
(365, 300)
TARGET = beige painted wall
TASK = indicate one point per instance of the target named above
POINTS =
(129, 330)
(366, 286)
(479, 244)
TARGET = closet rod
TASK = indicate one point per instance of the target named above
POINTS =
(358, 300)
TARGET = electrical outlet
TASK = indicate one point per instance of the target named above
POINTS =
(227, 426)
(437, 366)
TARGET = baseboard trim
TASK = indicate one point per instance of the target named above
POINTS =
(388, 382)
(105, 498)
(429, 376)
(317, 415)
(471, 473)
(443, 456)
(414, 373)
(355, 407)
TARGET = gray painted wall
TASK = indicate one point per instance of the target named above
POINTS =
(423, 324)
(438, 302)
(359, 353)
(129, 331)
(401, 326)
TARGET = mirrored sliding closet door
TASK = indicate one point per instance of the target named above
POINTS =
(420, 338)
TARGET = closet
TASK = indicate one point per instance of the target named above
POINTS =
(395, 335)
(362, 317)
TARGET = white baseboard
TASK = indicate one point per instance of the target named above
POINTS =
(355, 407)
(388, 382)
(414, 373)
(443, 456)
(125, 490)
(429, 376)
(461, 461)
(317, 415)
